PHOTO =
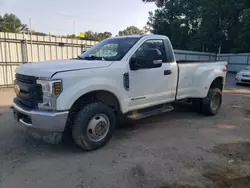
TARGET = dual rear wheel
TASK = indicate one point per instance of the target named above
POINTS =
(210, 105)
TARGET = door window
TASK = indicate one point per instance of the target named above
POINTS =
(148, 54)
(152, 44)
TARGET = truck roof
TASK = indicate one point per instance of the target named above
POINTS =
(140, 36)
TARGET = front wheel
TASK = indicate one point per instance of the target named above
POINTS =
(93, 127)
(212, 103)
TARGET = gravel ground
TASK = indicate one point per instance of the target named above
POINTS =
(180, 149)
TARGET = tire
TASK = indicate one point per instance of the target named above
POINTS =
(207, 107)
(82, 133)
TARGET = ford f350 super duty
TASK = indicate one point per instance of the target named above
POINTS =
(130, 76)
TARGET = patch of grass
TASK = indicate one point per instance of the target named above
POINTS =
(228, 177)
(220, 177)
(223, 174)
(176, 185)
(234, 150)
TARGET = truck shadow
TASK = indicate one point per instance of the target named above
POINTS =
(4, 109)
(16, 142)
(181, 111)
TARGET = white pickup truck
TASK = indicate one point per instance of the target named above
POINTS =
(130, 76)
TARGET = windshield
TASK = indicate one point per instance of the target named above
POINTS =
(247, 68)
(112, 49)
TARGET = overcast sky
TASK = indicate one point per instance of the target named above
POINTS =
(69, 16)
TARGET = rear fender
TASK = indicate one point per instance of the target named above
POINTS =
(204, 80)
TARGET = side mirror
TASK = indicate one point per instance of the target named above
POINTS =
(147, 59)
(157, 62)
(155, 56)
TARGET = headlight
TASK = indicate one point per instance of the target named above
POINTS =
(51, 90)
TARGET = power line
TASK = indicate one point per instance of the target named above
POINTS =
(80, 19)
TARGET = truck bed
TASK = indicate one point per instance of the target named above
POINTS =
(196, 61)
(194, 77)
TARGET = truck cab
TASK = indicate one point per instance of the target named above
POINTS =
(129, 77)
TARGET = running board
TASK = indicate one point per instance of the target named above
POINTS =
(136, 115)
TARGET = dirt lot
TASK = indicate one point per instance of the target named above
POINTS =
(179, 149)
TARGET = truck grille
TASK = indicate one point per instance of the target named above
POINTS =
(29, 93)
(26, 79)
(25, 102)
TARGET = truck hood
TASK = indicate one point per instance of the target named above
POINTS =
(48, 68)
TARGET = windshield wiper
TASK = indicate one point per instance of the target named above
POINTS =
(92, 58)
(79, 57)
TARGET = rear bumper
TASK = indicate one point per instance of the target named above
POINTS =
(40, 120)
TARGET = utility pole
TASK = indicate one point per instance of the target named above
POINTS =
(219, 52)
(74, 27)
(31, 43)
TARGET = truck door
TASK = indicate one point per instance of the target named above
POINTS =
(151, 85)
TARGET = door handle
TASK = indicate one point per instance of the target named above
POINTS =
(167, 72)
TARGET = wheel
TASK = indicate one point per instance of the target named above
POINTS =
(212, 103)
(93, 126)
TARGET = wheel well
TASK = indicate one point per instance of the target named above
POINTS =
(217, 83)
(102, 96)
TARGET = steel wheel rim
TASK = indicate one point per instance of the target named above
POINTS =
(98, 127)
(215, 102)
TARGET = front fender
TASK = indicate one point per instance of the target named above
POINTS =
(73, 91)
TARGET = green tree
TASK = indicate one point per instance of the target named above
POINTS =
(242, 42)
(39, 33)
(90, 35)
(171, 18)
(131, 30)
(27, 31)
(198, 24)
(11, 23)
(102, 36)
(219, 24)
(72, 36)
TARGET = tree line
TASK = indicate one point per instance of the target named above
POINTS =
(11, 23)
(199, 25)
(203, 25)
